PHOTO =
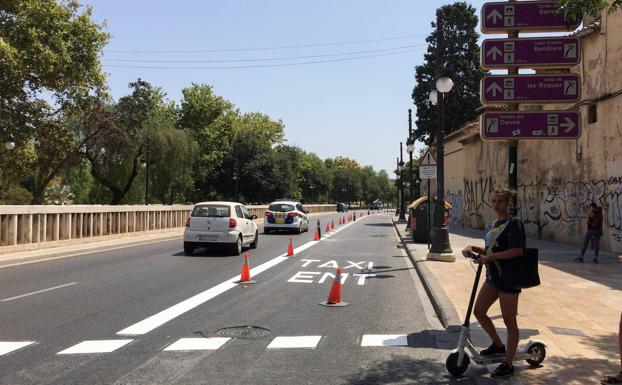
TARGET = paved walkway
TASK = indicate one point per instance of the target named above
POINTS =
(575, 311)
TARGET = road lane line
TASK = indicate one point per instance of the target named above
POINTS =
(176, 310)
(38, 292)
(294, 342)
(385, 340)
(7, 347)
(185, 344)
(95, 346)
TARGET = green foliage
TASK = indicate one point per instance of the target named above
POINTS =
(582, 8)
(459, 55)
(15, 195)
(50, 67)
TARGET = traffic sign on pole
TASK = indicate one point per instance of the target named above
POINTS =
(427, 172)
(541, 52)
(428, 159)
(530, 88)
(528, 16)
(538, 125)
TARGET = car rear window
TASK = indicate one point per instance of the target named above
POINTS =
(281, 207)
(211, 211)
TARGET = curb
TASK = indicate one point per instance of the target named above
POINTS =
(443, 307)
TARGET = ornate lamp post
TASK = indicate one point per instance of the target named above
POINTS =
(401, 170)
(440, 235)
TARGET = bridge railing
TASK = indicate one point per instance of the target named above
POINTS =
(35, 227)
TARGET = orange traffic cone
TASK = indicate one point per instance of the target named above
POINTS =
(327, 228)
(340, 221)
(332, 224)
(290, 249)
(245, 276)
(334, 297)
(316, 236)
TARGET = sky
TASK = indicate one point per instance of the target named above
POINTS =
(356, 108)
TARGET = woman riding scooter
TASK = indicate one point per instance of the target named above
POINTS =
(504, 240)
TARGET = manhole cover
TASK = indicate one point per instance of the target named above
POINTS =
(378, 235)
(243, 332)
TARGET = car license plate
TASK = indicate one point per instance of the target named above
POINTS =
(208, 237)
(280, 218)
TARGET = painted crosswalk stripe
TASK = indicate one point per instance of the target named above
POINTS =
(198, 343)
(385, 340)
(96, 346)
(294, 342)
(7, 347)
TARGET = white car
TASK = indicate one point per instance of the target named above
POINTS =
(286, 215)
(220, 224)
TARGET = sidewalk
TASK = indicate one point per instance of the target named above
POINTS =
(575, 311)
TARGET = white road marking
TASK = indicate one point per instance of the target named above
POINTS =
(38, 292)
(385, 340)
(166, 315)
(96, 346)
(294, 342)
(198, 344)
(7, 347)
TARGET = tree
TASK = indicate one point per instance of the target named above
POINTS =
(211, 121)
(460, 57)
(581, 8)
(50, 69)
(115, 158)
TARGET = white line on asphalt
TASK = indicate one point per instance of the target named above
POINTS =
(95, 346)
(38, 292)
(198, 343)
(294, 342)
(385, 340)
(7, 347)
(158, 319)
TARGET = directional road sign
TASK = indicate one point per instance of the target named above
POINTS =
(540, 125)
(428, 159)
(542, 52)
(530, 88)
(527, 16)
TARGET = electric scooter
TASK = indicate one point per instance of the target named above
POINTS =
(457, 362)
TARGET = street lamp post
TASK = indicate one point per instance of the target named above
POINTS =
(410, 148)
(401, 169)
(440, 235)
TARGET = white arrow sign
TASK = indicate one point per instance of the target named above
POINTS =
(494, 15)
(494, 87)
(494, 51)
(569, 125)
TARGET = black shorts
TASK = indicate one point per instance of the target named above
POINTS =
(500, 285)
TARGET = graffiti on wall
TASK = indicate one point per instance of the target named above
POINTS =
(541, 205)
(456, 214)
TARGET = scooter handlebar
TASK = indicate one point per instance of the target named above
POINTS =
(474, 256)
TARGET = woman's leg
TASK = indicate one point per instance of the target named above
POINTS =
(488, 294)
(509, 309)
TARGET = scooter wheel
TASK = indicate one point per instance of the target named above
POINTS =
(537, 351)
(452, 364)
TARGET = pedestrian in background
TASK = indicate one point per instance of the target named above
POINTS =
(594, 231)
(505, 240)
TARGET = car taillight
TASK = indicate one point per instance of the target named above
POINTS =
(268, 214)
(292, 214)
(188, 222)
(232, 222)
